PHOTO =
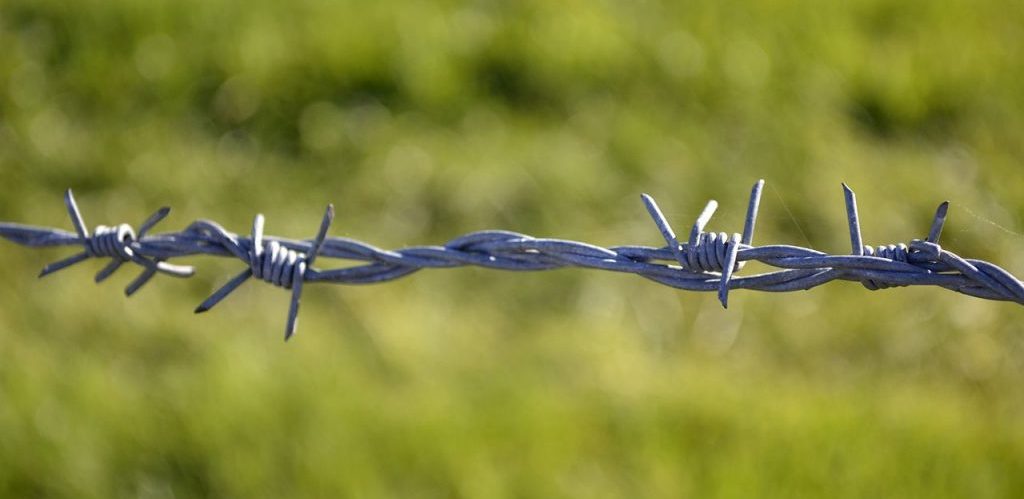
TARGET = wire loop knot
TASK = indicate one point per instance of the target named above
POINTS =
(710, 253)
(895, 252)
(925, 250)
(277, 265)
(112, 242)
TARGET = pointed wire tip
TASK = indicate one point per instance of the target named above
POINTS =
(650, 204)
(200, 309)
(853, 221)
(258, 223)
(709, 210)
(940, 213)
(753, 208)
(290, 328)
(702, 220)
(935, 232)
(728, 269)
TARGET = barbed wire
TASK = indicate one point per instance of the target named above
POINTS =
(707, 261)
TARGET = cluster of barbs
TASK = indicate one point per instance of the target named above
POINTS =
(268, 260)
(115, 243)
(707, 261)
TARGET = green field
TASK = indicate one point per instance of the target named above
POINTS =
(424, 120)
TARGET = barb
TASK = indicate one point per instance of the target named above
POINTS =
(707, 261)
(115, 243)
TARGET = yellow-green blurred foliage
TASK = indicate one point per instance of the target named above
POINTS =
(425, 120)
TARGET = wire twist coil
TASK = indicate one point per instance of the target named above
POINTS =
(112, 242)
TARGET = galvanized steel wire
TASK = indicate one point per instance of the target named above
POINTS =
(706, 261)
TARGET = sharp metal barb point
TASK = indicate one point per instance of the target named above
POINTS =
(257, 234)
(709, 261)
(325, 225)
(63, 264)
(702, 220)
(293, 307)
(752, 209)
(107, 271)
(153, 219)
(663, 226)
(940, 220)
(224, 291)
(727, 270)
(140, 281)
(853, 219)
(76, 215)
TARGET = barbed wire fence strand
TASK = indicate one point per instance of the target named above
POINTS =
(707, 261)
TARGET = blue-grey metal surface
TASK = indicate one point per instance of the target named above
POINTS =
(707, 261)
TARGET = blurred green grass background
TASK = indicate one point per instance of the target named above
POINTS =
(425, 120)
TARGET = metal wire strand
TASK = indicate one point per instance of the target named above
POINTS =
(707, 261)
